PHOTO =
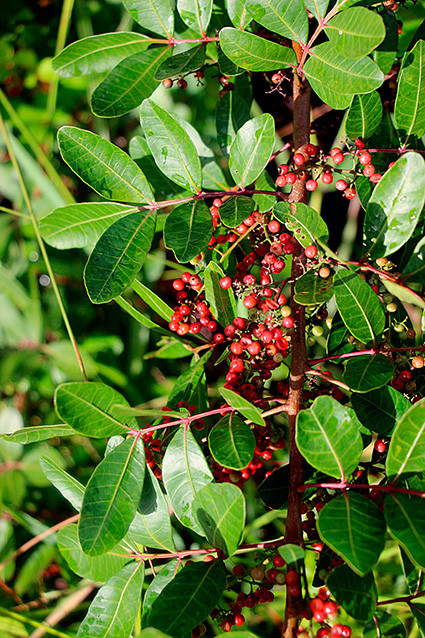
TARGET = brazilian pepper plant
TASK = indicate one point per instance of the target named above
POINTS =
(302, 386)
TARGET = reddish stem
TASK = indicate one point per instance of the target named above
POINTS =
(359, 486)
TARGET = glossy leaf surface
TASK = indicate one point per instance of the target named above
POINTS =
(111, 498)
(67, 485)
(359, 307)
(188, 229)
(357, 595)
(364, 115)
(289, 19)
(196, 14)
(311, 289)
(174, 152)
(381, 409)
(37, 433)
(87, 408)
(128, 84)
(303, 221)
(242, 405)
(187, 382)
(394, 207)
(414, 270)
(354, 528)
(220, 512)
(249, 51)
(222, 302)
(151, 526)
(232, 442)
(251, 149)
(80, 225)
(355, 32)
(100, 568)
(194, 591)
(406, 452)
(118, 256)
(185, 471)
(384, 624)
(328, 437)
(98, 53)
(405, 516)
(113, 611)
(186, 62)
(368, 372)
(408, 110)
(327, 70)
(235, 210)
(155, 15)
(232, 113)
(103, 166)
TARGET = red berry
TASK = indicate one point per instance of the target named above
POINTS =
(310, 252)
(226, 283)
(365, 158)
(250, 301)
(299, 159)
(327, 178)
(273, 226)
(283, 169)
(310, 150)
(338, 158)
(278, 561)
(334, 151)
(369, 170)
(341, 185)
(291, 178)
(311, 185)
(239, 620)
(167, 83)
(292, 577)
(178, 284)
(375, 178)
(380, 446)
(238, 570)
(276, 78)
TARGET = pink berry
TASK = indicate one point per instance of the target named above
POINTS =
(341, 185)
(311, 185)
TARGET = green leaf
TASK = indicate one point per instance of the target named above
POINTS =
(406, 452)
(232, 113)
(381, 409)
(317, 7)
(235, 210)
(251, 149)
(220, 512)
(67, 485)
(312, 290)
(327, 70)
(289, 19)
(98, 53)
(174, 152)
(187, 382)
(226, 66)
(359, 307)
(188, 229)
(163, 187)
(386, 53)
(293, 555)
(364, 115)
(274, 489)
(86, 407)
(111, 498)
(113, 611)
(244, 407)
(103, 166)
(128, 84)
(232, 443)
(355, 529)
(37, 433)
(100, 568)
(355, 32)
(80, 225)
(328, 437)
(185, 471)
(33, 568)
(368, 372)
(395, 206)
(162, 578)
(152, 300)
(251, 52)
(305, 223)
(404, 294)
(408, 112)
(151, 526)
(264, 202)
(150, 413)
(357, 595)
(118, 256)
(187, 62)
(141, 318)
(389, 626)
(196, 14)
(188, 598)
(155, 15)
(238, 13)
(222, 302)
(405, 516)
(414, 270)
(418, 611)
